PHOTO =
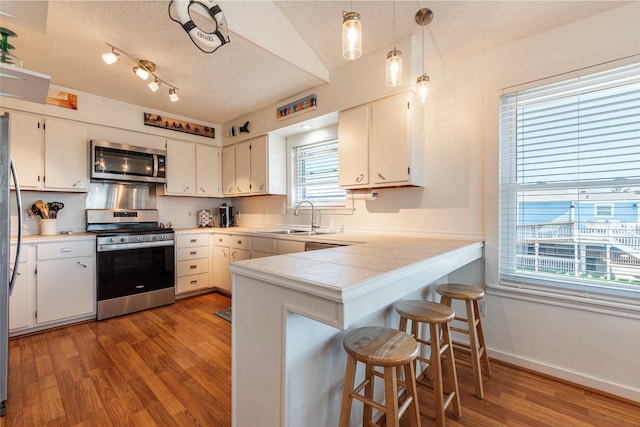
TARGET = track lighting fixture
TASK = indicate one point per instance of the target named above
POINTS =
(143, 69)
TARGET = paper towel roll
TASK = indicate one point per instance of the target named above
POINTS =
(362, 195)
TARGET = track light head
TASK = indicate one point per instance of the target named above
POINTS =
(111, 57)
(173, 96)
(154, 85)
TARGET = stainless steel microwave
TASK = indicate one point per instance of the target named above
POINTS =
(120, 162)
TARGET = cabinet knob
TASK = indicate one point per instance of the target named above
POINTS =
(239, 242)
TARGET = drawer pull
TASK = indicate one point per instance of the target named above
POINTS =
(139, 286)
(193, 240)
(239, 242)
(65, 249)
(193, 267)
(83, 265)
(193, 252)
(194, 282)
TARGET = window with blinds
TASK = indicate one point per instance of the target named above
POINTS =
(315, 174)
(570, 185)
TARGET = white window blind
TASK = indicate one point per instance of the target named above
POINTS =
(315, 174)
(569, 154)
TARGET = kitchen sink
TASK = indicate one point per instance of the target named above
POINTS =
(295, 232)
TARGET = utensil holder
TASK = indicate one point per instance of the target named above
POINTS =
(48, 227)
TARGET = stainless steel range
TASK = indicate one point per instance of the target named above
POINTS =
(134, 262)
(134, 255)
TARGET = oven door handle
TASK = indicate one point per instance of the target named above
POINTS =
(127, 246)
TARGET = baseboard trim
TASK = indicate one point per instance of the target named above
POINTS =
(615, 391)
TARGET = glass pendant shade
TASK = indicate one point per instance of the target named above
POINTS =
(173, 96)
(351, 36)
(154, 85)
(110, 58)
(423, 89)
(394, 68)
(141, 72)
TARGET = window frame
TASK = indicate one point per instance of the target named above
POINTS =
(322, 135)
(528, 284)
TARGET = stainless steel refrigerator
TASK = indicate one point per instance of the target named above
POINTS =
(8, 268)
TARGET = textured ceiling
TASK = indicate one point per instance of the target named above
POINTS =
(243, 76)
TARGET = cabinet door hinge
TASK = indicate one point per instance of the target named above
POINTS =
(36, 314)
(409, 170)
(408, 105)
(36, 272)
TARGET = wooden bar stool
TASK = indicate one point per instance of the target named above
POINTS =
(392, 350)
(438, 317)
(479, 358)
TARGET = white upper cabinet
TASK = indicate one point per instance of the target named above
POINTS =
(50, 153)
(208, 173)
(256, 166)
(192, 169)
(353, 143)
(393, 154)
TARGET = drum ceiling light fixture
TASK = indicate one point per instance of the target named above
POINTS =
(142, 69)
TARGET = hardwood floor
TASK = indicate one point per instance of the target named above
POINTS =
(171, 366)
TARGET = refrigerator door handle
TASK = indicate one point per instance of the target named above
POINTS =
(14, 274)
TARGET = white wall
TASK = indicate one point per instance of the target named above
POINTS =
(598, 348)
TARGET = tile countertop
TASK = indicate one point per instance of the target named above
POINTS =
(39, 238)
(347, 272)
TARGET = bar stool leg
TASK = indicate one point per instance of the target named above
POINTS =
(484, 357)
(367, 415)
(435, 362)
(412, 393)
(349, 379)
(473, 342)
(451, 370)
(391, 396)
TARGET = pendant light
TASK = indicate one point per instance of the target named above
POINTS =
(394, 59)
(351, 35)
(423, 17)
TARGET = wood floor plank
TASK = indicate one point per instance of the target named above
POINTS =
(171, 366)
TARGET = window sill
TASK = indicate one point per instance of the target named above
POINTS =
(629, 308)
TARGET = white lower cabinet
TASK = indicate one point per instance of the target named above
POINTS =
(227, 249)
(22, 312)
(192, 262)
(65, 284)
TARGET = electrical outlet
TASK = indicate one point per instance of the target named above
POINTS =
(482, 305)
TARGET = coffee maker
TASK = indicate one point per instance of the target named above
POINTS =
(225, 216)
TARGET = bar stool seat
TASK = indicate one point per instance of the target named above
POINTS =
(438, 316)
(392, 350)
(473, 327)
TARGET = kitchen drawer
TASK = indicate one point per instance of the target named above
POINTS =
(240, 242)
(66, 250)
(195, 266)
(184, 254)
(289, 247)
(263, 244)
(191, 240)
(221, 239)
(192, 283)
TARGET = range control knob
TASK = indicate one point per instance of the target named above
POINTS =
(110, 239)
(139, 238)
(154, 237)
(162, 237)
(122, 240)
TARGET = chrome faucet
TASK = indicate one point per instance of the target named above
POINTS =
(313, 214)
